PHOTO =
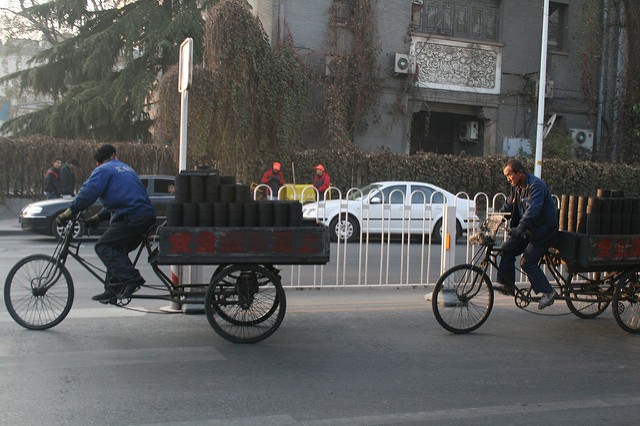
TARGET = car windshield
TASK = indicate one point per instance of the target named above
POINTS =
(357, 195)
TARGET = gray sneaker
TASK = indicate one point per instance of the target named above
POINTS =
(547, 299)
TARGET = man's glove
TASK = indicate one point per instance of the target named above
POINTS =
(518, 233)
(93, 222)
(63, 217)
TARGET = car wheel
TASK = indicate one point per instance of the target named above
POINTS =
(436, 236)
(347, 229)
(56, 231)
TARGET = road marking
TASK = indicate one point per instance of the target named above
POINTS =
(103, 312)
(105, 357)
(484, 413)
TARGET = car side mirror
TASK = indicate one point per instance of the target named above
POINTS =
(375, 200)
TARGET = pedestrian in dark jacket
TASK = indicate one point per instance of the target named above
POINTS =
(51, 182)
(533, 229)
(125, 200)
(68, 178)
(274, 179)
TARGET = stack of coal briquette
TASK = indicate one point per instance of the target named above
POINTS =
(208, 199)
(609, 212)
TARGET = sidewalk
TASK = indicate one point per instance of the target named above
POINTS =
(9, 217)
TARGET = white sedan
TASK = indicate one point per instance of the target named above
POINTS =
(390, 208)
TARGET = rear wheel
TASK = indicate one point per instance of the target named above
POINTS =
(245, 303)
(436, 235)
(462, 299)
(626, 301)
(38, 292)
(594, 295)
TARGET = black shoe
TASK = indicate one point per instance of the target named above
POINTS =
(104, 297)
(504, 289)
(131, 288)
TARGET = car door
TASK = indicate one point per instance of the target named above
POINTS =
(158, 190)
(426, 208)
(385, 209)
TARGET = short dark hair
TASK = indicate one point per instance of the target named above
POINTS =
(74, 162)
(516, 165)
(104, 153)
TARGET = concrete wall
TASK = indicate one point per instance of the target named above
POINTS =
(509, 114)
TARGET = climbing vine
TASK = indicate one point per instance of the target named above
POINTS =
(353, 84)
(251, 98)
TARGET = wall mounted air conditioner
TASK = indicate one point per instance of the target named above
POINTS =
(468, 131)
(402, 64)
(582, 138)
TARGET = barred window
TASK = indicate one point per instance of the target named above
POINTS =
(466, 19)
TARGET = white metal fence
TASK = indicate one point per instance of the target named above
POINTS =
(398, 254)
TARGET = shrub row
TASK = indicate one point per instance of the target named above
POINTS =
(24, 160)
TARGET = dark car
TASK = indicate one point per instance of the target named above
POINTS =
(40, 217)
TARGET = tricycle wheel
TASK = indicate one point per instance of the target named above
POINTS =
(38, 292)
(626, 301)
(245, 303)
(594, 294)
(462, 299)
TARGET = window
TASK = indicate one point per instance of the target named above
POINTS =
(438, 198)
(557, 16)
(467, 19)
(343, 10)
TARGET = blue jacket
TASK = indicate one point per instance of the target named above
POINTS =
(120, 190)
(533, 209)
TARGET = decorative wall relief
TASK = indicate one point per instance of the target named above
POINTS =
(458, 66)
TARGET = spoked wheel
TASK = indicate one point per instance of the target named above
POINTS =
(462, 299)
(626, 301)
(245, 303)
(594, 294)
(38, 292)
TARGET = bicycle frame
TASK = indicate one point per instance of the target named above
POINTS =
(68, 247)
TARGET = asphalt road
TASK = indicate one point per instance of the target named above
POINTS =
(341, 356)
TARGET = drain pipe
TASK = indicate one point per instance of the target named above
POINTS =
(603, 70)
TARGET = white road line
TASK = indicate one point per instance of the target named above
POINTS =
(105, 357)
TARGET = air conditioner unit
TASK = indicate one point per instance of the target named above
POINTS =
(548, 88)
(402, 64)
(582, 138)
(468, 131)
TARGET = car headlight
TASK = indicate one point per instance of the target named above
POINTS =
(310, 212)
(31, 210)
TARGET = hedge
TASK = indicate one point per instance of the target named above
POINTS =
(24, 160)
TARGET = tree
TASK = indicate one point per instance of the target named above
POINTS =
(102, 75)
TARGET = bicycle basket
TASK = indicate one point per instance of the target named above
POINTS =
(489, 229)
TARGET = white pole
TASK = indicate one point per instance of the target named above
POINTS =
(184, 110)
(542, 84)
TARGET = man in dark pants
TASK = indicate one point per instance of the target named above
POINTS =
(125, 199)
(534, 227)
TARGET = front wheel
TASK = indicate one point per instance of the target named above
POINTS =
(38, 292)
(626, 301)
(345, 228)
(57, 230)
(462, 299)
(245, 303)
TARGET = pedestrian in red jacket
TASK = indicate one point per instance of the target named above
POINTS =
(274, 179)
(321, 181)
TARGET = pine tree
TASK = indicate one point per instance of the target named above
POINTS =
(101, 77)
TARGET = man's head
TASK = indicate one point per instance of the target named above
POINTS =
(276, 167)
(104, 153)
(57, 163)
(515, 172)
(319, 169)
(73, 163)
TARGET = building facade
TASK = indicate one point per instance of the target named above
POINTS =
(460, 76)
